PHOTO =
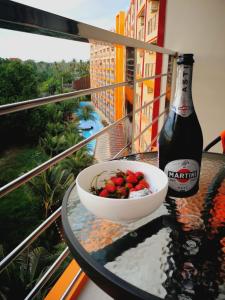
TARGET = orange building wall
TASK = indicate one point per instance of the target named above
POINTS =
(119, 92)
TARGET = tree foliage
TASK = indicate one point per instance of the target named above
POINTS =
(86, 113)
(50, 129)
(23, 80)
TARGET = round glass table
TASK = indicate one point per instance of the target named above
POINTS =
(178, 252)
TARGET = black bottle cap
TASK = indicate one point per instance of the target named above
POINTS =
(185, 59)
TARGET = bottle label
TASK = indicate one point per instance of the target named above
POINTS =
(182, 174)
(182, 104)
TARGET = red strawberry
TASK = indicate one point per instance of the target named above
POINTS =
(129, 172)
(131, 179)
(144, 182)
(139, 187)
(133, 190)
(113, 179)
(139, 175)
(122, 190)
(110, 188)
(129, 185)
(118, 181)
(104, 193)
(109, 181)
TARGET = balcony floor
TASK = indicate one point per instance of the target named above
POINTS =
(93, 292)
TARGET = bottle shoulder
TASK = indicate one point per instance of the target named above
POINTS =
(175, 122)
(181, 131)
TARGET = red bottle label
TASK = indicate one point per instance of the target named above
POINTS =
(182, 174)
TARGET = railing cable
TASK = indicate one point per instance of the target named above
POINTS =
(44, 279)
(46, 165)
(29, 240)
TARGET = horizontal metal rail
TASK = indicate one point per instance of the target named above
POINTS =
(16, 16)
(121, 151)
(46, 165)
(146, 128)
(29, 240)
(69, 288)
(18, 106)
(44, 279)
(151, 77)
(150, 102)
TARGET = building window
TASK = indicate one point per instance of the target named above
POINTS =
(147, 69)
(149, 26)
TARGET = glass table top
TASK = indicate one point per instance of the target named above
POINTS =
(178, 252)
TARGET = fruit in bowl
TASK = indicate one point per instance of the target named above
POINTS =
(122, 184)
(116, 202)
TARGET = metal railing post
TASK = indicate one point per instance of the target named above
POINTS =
(134, 100)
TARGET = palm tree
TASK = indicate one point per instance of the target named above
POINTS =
(69, 107)
(53, 145)
(22, 274)
(50, 187)
(55, 128)
(78, 161)
(86, 113)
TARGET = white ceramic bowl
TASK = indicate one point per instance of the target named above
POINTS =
(122, 209)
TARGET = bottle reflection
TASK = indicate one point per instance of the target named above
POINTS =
(197, 262)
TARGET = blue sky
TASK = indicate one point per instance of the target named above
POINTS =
(100, 13)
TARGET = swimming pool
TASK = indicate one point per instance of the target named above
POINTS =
(97, 125)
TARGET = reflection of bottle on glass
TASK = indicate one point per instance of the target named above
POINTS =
(192, 268)
(180, 141)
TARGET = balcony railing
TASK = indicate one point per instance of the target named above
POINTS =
(20, 17)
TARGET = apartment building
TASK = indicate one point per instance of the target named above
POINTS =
(107, 63)
(102, 72)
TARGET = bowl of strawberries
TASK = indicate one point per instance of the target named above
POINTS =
(122, 190)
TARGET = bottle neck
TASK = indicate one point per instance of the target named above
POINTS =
(183, 104)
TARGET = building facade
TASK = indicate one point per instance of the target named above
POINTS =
(102, 72)
(107, 66)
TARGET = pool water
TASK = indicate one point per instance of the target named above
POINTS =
(97, 125)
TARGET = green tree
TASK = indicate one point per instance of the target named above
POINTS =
(18, 82)
(78, 161)
(22, 274)
(50, 187)
(53, 145)
(86, 113)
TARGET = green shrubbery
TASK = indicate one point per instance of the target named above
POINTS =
(29, 138)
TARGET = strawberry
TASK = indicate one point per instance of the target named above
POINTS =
(122, 190)
(109, 181)
(104, 193)
(113, 179)
(129, 172)
(110, 188)
(118, 181)
(139, 187)
(129, 185)
(139, 175)
(133, 190)
(131, 179)
(144, 182)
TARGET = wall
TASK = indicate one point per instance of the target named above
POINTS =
(198, 27)
(82, 83)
